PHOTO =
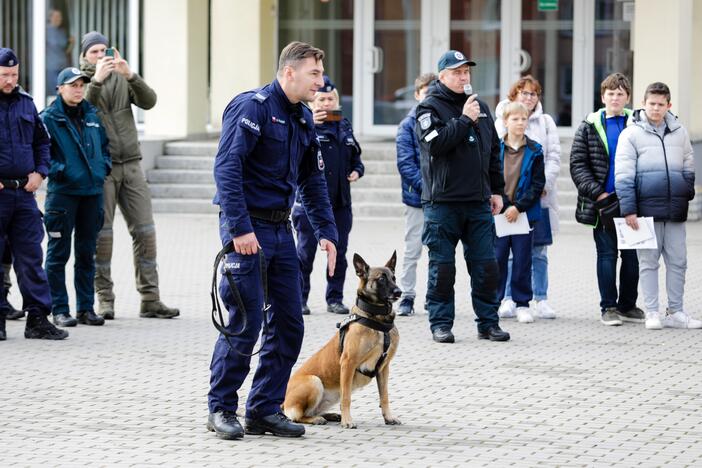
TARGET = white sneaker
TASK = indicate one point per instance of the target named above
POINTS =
(544, 311)
(523, 315)
(680, 320)
(653, 321)
(507, 309)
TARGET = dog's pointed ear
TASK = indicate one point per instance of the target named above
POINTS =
(361, 266)
(391, 263)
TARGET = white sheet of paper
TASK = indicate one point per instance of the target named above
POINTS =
(505, 228)
(643, 238)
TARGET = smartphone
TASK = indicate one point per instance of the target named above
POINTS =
(334, 115)
(109, 52)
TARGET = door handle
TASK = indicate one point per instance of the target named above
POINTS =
(377, 59)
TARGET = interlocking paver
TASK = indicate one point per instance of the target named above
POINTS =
(564, 392)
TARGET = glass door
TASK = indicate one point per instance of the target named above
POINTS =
(547, 50)
(390, 50)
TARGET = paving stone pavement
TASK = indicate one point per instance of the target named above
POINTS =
(567, 392)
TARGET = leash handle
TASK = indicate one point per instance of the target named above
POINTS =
(217, 308)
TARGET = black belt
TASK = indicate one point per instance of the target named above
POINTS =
(270, 216)
(14, 183)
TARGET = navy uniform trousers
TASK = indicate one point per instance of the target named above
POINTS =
(21, 226)
(66, 214)
(471, 223)
(284, 339)
(307, 248)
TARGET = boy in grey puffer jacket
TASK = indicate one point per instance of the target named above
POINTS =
(655, 177)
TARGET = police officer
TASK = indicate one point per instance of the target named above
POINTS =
(79, 164)
(266, 151)
(24, 163)
(462, 188)
(342, 166)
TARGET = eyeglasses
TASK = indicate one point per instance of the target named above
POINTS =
(527, 94)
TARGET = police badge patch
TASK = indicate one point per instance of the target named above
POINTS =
(320, 160)
(424, 121)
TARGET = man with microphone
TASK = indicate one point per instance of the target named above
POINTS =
(462, 187)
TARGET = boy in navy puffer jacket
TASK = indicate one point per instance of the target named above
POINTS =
(408, 165)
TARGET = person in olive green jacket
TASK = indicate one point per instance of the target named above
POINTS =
(113, 88)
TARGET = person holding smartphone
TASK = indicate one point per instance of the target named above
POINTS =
(341, 163)
(113, 88)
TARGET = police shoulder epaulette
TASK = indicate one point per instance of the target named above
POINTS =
(260, 97)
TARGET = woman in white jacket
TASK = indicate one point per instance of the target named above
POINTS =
(542, 129)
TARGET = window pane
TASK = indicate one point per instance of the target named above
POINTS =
(329, 26)
(475, 31)
(397, 42)
(547, 38)
(612, 44)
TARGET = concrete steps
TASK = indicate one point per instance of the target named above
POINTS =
(183, 181)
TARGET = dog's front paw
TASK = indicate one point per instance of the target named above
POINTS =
(391, 421)
(348, 424)
(318, 421)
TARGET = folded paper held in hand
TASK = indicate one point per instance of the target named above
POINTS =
(505, 228)
(642, 238)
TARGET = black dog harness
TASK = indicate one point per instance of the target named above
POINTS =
(371, 309)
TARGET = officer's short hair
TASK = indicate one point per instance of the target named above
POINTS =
(657, 88)
(295, 52)
(615, 81)
(423, 81)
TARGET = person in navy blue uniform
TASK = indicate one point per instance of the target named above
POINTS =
(24, 163)
(80, 162)
(267, 150)
(342, 166)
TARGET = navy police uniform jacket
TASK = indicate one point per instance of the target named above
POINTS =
(24, 142)
(267, 150)
(460, 159)
(342, 155)
(80, 160)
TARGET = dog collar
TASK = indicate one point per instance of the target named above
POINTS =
(373, 309)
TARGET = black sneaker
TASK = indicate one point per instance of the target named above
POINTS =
(64, 320)
(406, 307)
(277, 424)
(38, 327)
(305, 309)
(337, 308)
(443, 335)
(225, 425)
(634, 315)
(494, 333)
(89, 317)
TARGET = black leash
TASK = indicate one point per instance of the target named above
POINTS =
(217, 307)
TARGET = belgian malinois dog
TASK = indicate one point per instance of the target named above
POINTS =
(362, 349)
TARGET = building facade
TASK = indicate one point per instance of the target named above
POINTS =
(197, 54)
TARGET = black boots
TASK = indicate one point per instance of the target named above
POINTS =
(39, 327)
(277, 424)
(225, 424)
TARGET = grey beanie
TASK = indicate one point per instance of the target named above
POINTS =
(90, 39)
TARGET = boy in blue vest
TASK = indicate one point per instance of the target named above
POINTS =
(523, 168)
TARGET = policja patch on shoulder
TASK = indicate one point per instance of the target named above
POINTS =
(424, 121)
